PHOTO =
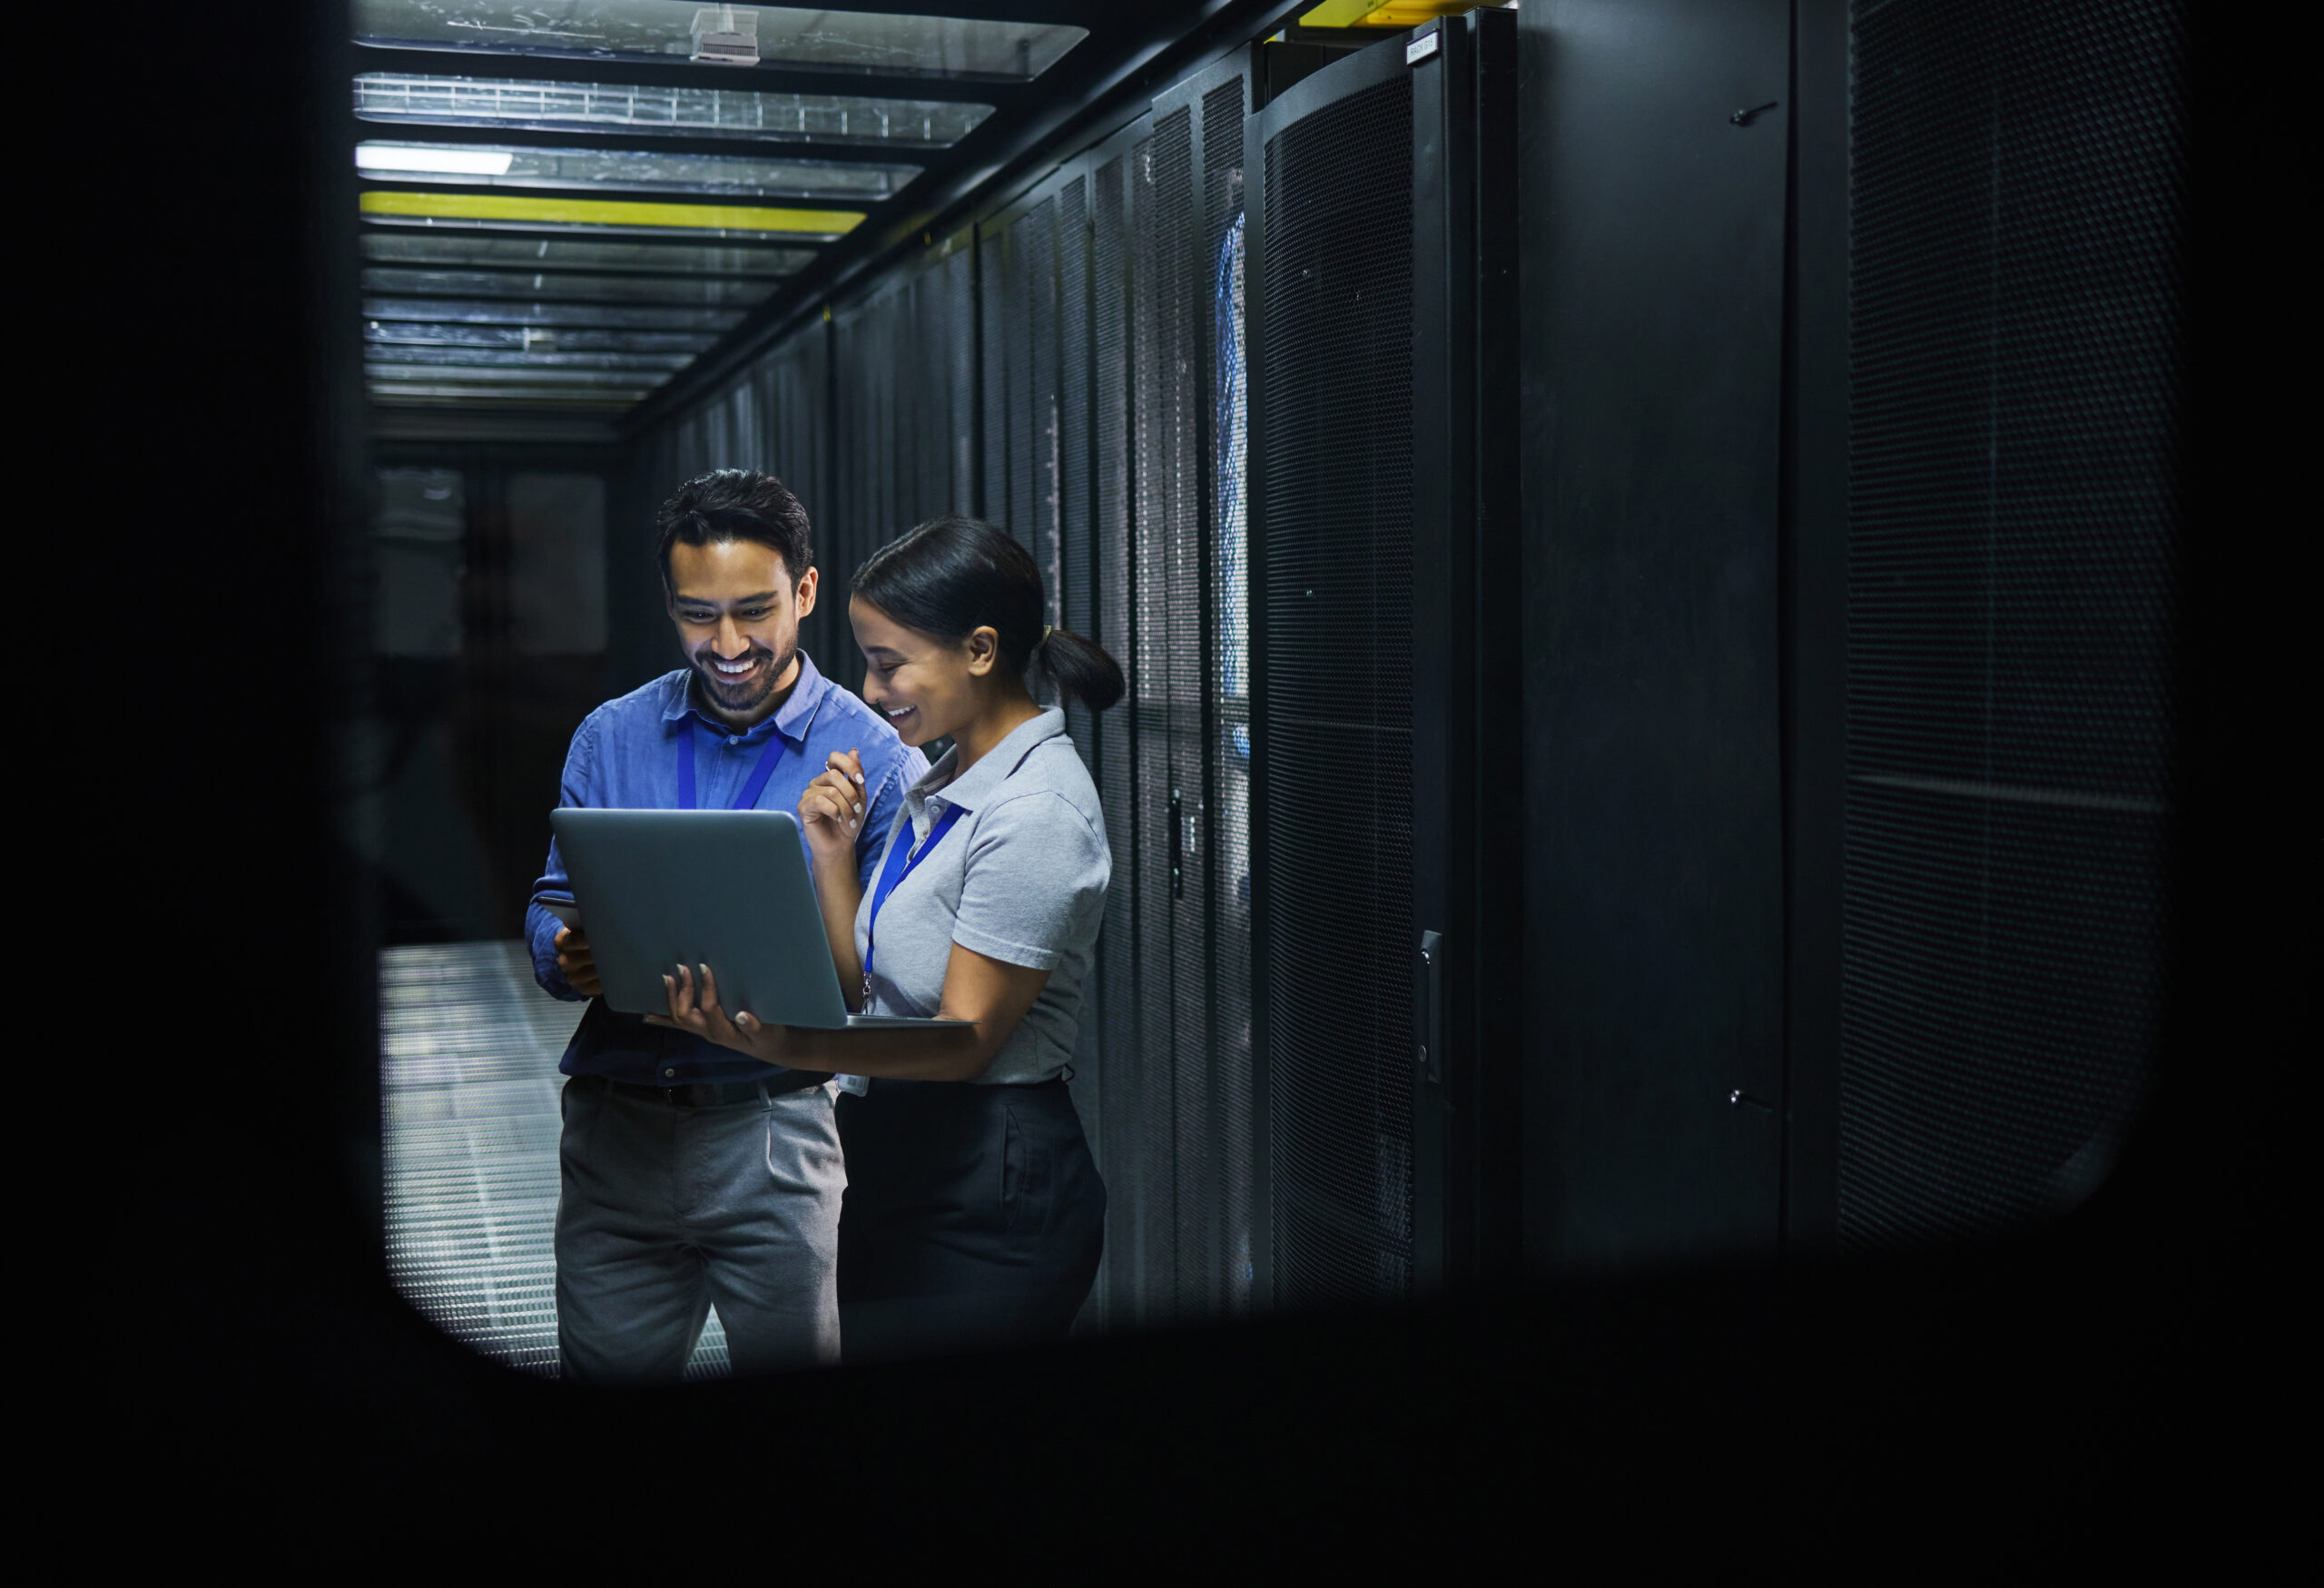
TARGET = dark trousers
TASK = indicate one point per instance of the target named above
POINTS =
(973, 1218)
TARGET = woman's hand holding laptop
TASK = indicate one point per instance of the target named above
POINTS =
(744, 1033)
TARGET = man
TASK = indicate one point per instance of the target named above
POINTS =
(691, 1174)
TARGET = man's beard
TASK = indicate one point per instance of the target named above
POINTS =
(742, 699)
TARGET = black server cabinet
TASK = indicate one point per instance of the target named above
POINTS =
(904, 388)
(1164, 263)
(1040, 432)
(1386, 836)
(1992, 208)
(1655, 145)
(1186, 189)
(1108, 309)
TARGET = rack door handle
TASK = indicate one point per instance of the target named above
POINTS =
(1177, 847)
(1428, 1006)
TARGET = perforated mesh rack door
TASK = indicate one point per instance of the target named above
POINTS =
(1071, 588)
(796, 420)
(1034, 297)
(904, 446)
(1136, 245)
(952, 306)
(1336, 939)
(993, 359)
(1122, 1141)
(1023, 377)
(2017, 186)
(1073, 592)
(904, 431)
(1162, 352)
(1226, 736)
(1167, 402)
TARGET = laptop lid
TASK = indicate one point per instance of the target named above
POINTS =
(729, 888)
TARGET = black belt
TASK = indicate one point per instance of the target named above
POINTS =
(708, 1094)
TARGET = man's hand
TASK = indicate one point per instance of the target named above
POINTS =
(831, 810)
(702, 1015)
(577, 964)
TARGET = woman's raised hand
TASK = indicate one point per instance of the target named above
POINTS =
(831, 809)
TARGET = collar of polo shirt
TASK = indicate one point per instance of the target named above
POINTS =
(998, 762)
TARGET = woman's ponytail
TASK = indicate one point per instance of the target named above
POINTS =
(1081, 669)
(953, 575)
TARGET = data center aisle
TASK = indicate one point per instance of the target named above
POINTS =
(469, 1089)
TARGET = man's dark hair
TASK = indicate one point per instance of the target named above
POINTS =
(736, 504)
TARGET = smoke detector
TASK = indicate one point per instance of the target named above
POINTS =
(725, 37)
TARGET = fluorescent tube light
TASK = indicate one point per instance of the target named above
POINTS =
(447, 162)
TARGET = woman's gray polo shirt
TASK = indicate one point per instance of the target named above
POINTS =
(1020, 878)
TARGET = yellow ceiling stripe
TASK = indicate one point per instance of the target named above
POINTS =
(609, 213)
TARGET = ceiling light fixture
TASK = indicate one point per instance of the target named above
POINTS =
(445, 162)
(721, 36)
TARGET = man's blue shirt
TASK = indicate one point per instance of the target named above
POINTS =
(624, 757)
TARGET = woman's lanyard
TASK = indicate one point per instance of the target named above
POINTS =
(902, 859)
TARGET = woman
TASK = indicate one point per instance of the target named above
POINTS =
(973, 1214)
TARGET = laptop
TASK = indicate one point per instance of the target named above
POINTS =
(728, 888)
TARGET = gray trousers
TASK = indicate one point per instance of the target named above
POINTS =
(663, 1211)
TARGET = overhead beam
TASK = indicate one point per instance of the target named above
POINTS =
(391, 423)
(764, 78)
(499, 268)
(402, 131)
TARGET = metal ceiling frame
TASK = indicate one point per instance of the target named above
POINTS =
(498, 268)
(767, 77)
(1109, 76)
(1092, 109)
(803, 150)
(772, 240)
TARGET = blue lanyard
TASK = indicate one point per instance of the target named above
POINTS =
(749, 798)
(902, 860)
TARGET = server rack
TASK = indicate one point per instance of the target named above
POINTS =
(903, 364)
(1654, 257)
(1383, 529)
(1037, 450)
(1109, 426)
(1176, 1030)
(1991, 214)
